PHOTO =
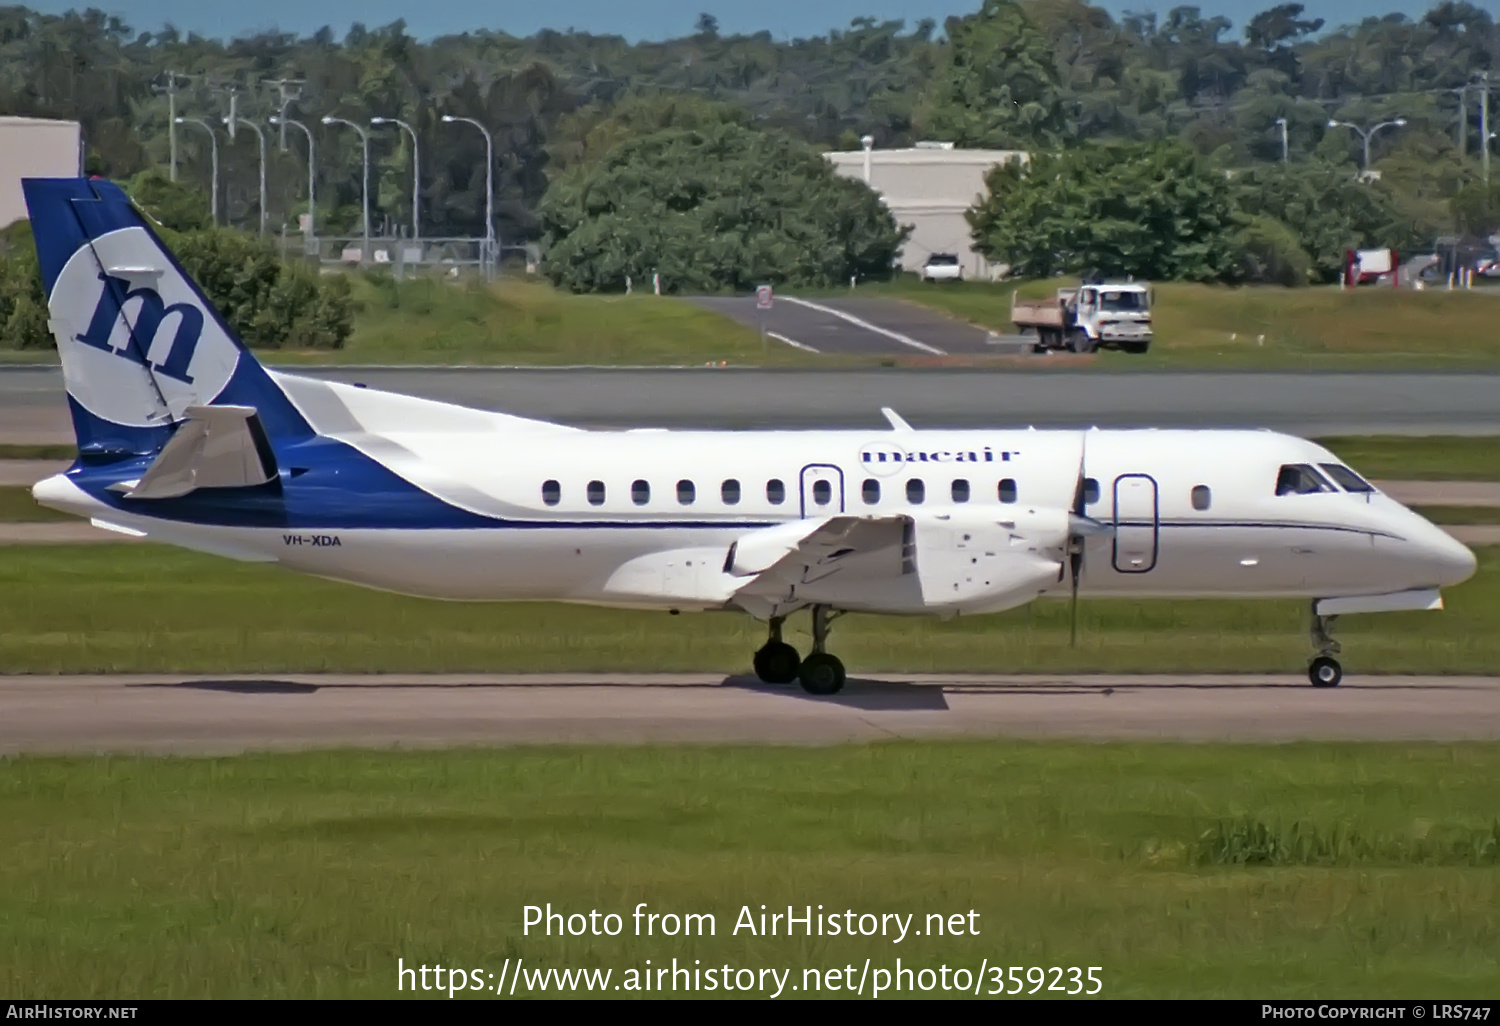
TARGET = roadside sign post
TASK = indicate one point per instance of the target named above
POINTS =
(763, 303)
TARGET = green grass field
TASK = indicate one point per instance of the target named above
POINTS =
(69, 609)
(431, 321)
(18, 507)
(1176, 869)
(1213, 326)
(1461, 514)
(1417, 458)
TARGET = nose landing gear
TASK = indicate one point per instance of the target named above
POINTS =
(1324, 670)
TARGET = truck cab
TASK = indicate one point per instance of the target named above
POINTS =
(1086, 318)
(1115, 315)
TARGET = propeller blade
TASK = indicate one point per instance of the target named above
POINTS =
(1080, 528)
(1075, 562)
(1088, 527)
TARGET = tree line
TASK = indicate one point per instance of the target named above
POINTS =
(591, 130)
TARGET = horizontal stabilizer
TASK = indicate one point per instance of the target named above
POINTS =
(216, 447)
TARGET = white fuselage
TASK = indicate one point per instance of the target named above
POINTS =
(647, 518)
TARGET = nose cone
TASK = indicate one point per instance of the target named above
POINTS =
(1458, 562)
(1450, 560)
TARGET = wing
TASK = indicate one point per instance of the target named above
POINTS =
(935, 562)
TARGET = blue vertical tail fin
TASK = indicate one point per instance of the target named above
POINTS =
(138, 340)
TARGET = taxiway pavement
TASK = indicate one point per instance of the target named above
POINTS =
(33, 409)
(223, 715)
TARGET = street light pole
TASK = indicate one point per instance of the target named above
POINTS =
(1484, 122)
(416, 172)
(260, 136)
(1285, 154)
(364, 182)
(312, 219)
(489, 181)
(213, 198)
(1367, 136)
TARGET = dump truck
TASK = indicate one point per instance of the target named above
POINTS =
(1092, 316)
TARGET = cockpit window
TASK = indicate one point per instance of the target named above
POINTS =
(1301, 479)
(1346, 479)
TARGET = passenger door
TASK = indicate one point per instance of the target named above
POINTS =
(1137, 523)
(822, 490)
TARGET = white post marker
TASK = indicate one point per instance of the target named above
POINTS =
(763, 299)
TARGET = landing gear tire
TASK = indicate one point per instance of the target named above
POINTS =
(1325, 672)
(777, 663)
(821, 674)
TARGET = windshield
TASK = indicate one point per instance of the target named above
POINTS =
(943, 259)
(1301, 479)
(1122, 301)
(1347, 479)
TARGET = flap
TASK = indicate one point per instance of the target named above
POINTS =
(822, 550)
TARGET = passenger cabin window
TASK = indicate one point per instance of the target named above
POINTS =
(916, 491)
(551, 493)
(1008, 489)
(1346, 479)
(729, 491)
(686, 493)
(960, 490)
(640, 492)
(870, 491)
(1202, 497)
(775, 492)
(1090, 491)
(595, 493)
(822, 492)
(1301, 479)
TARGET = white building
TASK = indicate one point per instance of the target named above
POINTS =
(929, 186)
(34, 148)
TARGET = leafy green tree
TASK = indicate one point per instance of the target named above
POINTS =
(1000, 86)
(174, 205)
(1153, 210)
(1327, 208)
(590, 133)
(722, 207)
(1269, 253)
(1476, 208)
(23, 304)
(272, 304)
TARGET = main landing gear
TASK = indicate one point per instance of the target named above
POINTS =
(819, 674)
(1324, 670)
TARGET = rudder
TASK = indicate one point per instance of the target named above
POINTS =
(138, 340)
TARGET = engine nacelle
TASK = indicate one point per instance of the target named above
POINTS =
(975, 560)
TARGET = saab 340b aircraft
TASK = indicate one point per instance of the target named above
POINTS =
(184, 438)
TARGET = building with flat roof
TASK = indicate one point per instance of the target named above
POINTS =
(34, 148)
(929, 187)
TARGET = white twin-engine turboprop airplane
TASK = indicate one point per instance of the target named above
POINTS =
(184, 438)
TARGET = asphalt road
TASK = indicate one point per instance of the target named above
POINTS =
(867, 327)
(32, 408)
(234, 714)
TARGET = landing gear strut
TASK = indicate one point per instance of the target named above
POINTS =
(777, 662)
(821, 673)
(1324, 670)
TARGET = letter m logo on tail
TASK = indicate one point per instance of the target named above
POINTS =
(139, 342)
(139, 332)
